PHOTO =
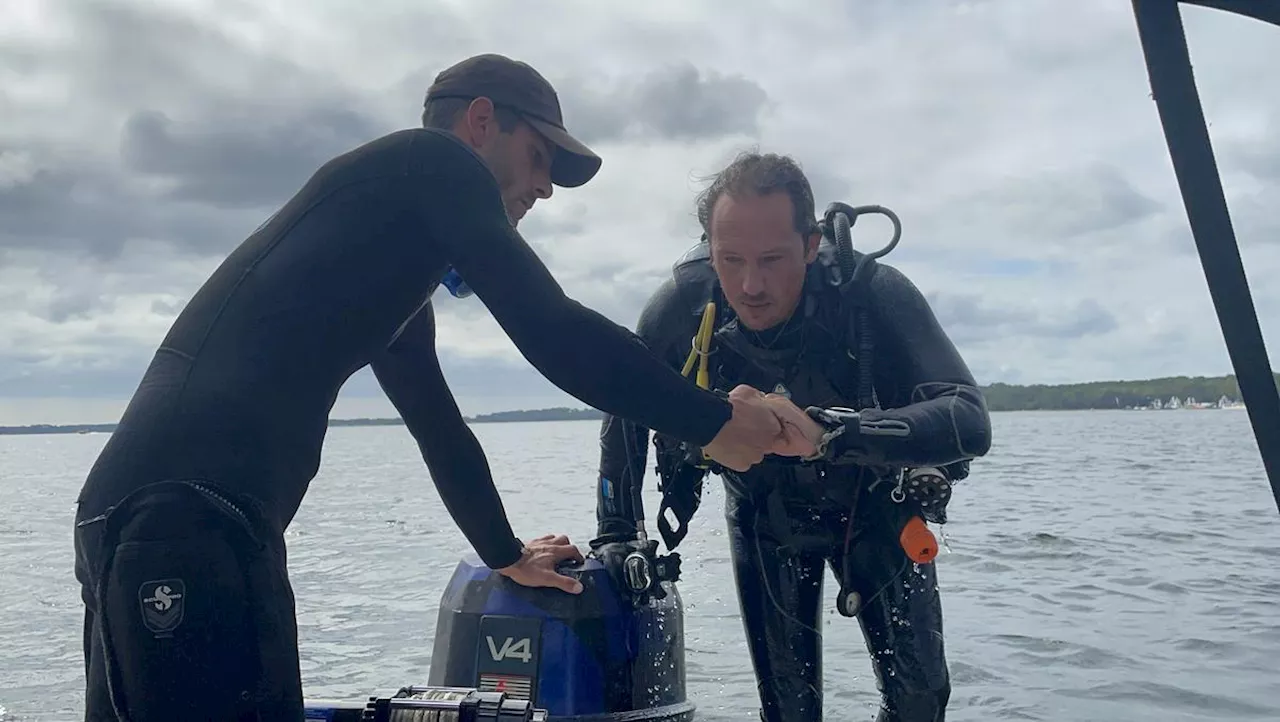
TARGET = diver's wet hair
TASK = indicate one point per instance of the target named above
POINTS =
(758, 173)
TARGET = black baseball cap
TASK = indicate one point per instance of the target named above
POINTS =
(521, 88)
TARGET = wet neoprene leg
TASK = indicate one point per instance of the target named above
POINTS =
(900, 613)
(780, 594)
(188, 611)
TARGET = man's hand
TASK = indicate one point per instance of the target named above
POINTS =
(801, 434)
(752, 431)
(537, 566)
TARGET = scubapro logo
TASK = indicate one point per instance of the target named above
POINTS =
(162, 604)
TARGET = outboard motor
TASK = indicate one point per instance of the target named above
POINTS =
(605, 654)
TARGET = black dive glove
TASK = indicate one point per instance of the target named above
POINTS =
(845, 441)
(841, 435)
(847, 436)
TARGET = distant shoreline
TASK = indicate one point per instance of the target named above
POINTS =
(553, 414)
(1195, 392)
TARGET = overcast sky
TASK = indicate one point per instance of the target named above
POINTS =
(141, 142)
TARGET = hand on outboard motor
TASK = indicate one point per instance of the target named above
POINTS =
(537, 565)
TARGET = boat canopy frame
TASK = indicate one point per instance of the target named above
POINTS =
(1177, 99)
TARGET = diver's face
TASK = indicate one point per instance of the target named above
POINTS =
(521, 162)
(759, 256)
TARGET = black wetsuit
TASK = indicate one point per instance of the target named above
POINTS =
(787, 520)
(179, 536)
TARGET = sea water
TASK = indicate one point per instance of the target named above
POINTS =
(1114, 565)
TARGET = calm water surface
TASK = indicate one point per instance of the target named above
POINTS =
(1100, 566)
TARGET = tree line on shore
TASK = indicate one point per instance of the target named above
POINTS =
(1000, 397)
(1111, 394)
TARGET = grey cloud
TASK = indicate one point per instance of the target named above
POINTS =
(1068, 203)
(1254, 217)
(27, 377)
(970, 318)
(1256, 154)
(115, 364)
(253, 161)
(80, 206)
(558, 220)
(832, 184)
(168, 308)
(176, 56)
(1261, 160)
(36, 375)
(676, 101)
(214, 128)
(679, 102)
(223, 124)
(72, 302)
(912, 107)
(194, 140)
(672, 101)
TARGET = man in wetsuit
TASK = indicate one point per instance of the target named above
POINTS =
(786, 332)
(180, 525)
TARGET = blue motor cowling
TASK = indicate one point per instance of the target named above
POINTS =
(601, 655)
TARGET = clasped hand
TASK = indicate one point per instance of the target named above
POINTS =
(762, 424)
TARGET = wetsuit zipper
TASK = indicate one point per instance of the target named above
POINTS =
(225, 502)
(239, 512)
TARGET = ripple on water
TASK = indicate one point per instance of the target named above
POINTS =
(1169, 697)
(1071, 591)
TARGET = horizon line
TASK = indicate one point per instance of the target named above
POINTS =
(490, 417)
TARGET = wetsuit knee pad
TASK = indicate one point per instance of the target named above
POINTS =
(194, 612)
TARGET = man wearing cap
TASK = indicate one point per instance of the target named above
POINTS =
(179, 532)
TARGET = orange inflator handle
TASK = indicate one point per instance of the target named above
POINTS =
(918, 541)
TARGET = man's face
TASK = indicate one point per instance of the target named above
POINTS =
(521, 162)
(759, 256)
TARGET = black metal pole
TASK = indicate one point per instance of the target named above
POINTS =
(1164, 45)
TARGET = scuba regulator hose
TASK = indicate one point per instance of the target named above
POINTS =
(643, 570)
(917, 540)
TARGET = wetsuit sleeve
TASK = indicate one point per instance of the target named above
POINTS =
(409, 372)
(574, 347)
(923, 384)
(624, 444)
